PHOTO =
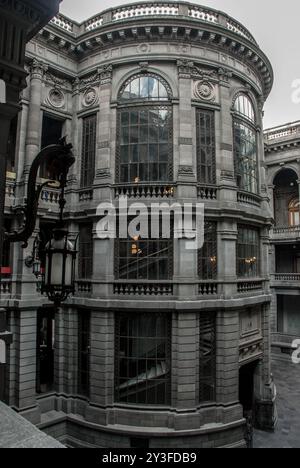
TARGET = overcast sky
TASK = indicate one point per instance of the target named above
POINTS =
(274, 25)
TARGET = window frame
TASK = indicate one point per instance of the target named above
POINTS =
(144, 243)
(212, 147)
(88, 150)
(213, 244)
(141, 106)
(208, 380)
(293, 208)
(130, 338)
(86, 259)
(242, 120)
(84, 333)
(248, 253)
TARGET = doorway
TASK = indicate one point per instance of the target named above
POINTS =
(45, 351)
(247, 398)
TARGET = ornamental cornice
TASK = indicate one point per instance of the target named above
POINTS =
(187, 24)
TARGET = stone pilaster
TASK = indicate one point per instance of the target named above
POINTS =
(227, 238)
(225, 162)
(104, 166)
(186, 170)
(102, 363)
(186, 360)
(33, 139)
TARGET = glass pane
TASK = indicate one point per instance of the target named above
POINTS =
(142, 359)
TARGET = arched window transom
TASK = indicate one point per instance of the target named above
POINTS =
(145, 87)
(244, 107)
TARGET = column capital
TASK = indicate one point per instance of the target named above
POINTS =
(38, 69)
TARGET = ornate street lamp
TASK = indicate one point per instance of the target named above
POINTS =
(58, 279)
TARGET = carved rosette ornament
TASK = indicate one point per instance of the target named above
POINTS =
(56, 98)
(205, 91)
(90, 97)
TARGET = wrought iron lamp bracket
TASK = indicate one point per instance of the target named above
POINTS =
(58, 159)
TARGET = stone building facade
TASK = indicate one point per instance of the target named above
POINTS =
(282, 160)
(160, 346)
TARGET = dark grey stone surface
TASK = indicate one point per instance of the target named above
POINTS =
(287, 434)
(17, 432)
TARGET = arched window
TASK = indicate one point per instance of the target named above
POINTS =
(244, 107)
(294, 212)
(245, 145)
(145, 131)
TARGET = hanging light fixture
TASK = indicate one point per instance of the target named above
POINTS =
(58, 279)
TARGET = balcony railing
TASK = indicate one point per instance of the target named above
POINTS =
(283, 133)
(5, 287)
(207, 192)
(287, 277)
(62, 22)
(285, 232)
(247, 198)
(249, 286)
(201, 290)
(144, 191)
(85, 286)
(154, 9)
(143, 288)
(50, 196)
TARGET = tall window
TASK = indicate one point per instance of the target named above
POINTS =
(206, 146)
(145, 131)
(84, 320)
(51, 133)
(89, 125)
(45, 351)
(143, 358)
(144, 259)
(207, 346)
(245, 145)
(208, 255)
(294, 212)
(85, 251)
(248, 252)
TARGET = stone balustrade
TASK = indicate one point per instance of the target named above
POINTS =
(5, 287)
(282, 133)
(206, 192)
(288, 277)
(10, 187)
(50, 196)
(249, 286)
(160, 288)
(62, 22)
(86, 195)
(248, 198)
(203, 289)
(144, 191)
(285, 233)
(151, 9)
(85, 287)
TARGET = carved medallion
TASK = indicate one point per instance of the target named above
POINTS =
(56, 98)
(204, 90)
(90, 97)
